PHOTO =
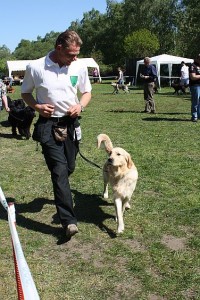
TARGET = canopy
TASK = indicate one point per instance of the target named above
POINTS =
(16, 66)
(91, 63)
(20, 65)
(164, 59)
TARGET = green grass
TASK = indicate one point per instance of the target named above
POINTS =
(157, 257)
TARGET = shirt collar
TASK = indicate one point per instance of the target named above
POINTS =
(48, 61)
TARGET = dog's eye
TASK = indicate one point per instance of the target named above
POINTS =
(118, 154)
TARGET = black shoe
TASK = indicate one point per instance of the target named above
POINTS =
(194, 119)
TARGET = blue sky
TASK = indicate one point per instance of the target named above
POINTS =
(25, 19)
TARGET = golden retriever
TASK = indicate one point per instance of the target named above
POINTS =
(120, 171)
(123, 87)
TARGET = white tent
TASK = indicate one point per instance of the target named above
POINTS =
(164, 59)
(20, 65)
(91, 63)
(16, 66)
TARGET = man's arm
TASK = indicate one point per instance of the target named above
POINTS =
(5, 103)
(194, 76)
(45, 110)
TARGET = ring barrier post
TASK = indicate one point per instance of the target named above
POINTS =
(25, 285)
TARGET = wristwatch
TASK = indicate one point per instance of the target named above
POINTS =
(82, 107)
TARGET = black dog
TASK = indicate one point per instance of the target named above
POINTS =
(178, 89)
(20, 117)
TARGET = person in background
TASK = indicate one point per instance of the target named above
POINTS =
(120, 78)
(149, 76)
(184, 79)
(95, 75)
(194, 83)
(3, 97)
(57, 79)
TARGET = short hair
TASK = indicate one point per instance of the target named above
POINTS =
(67, 38)
(147, 59)
(182, 62)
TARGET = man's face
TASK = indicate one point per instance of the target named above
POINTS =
(66, 56)
(146, 62)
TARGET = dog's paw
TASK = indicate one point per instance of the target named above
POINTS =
(105, 195)
(127, 205)
(120, 229)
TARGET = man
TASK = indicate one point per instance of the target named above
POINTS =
(149, 75)
(3, 97)
(194, 72)
(184, 80)
(56, 79)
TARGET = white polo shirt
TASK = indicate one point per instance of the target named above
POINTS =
(55, 85)
(184, 72)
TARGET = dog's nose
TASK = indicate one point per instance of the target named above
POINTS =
(110, 160)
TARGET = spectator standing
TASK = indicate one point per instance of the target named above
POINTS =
(194, 74)
(56, 79)
(184, 79)
(149, 76)
(3, 97)
(95, 75)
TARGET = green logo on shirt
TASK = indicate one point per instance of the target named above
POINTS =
(73, 80)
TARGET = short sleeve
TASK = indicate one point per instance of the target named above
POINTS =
(28, 82)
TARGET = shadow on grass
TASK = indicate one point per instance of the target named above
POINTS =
(5, 124)
(153, 118)
(35, 206)
(87, 209)
(10, 136)
(166, 119)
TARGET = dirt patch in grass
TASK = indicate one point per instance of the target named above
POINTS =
(155, 297)
(127, 290)
(134, 245)
(190, 294)
(173, 242)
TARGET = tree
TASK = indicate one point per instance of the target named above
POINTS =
(35, 49)
(90, 30)
(141, 43)
(159, 16)
(189, 27)
(5, 55)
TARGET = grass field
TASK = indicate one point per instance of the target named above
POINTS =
(158, 255)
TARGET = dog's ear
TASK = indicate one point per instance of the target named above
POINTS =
(129, 161)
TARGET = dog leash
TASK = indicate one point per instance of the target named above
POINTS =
(18, 119)
(89, 161)
(81, 155)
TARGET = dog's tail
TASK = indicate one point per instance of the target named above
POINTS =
(103, 138)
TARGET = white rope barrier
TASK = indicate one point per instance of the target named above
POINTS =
(25, 285)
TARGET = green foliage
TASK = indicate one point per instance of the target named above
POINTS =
(173, 27)
(141, 43)
(189, 27)
(5, 55)
(35, 49)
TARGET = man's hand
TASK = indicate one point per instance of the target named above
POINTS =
(45, 110)
(74, 111)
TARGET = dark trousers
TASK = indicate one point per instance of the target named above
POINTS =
(148, 96)
(60, 158)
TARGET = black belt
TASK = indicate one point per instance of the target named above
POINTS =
(57, 119)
